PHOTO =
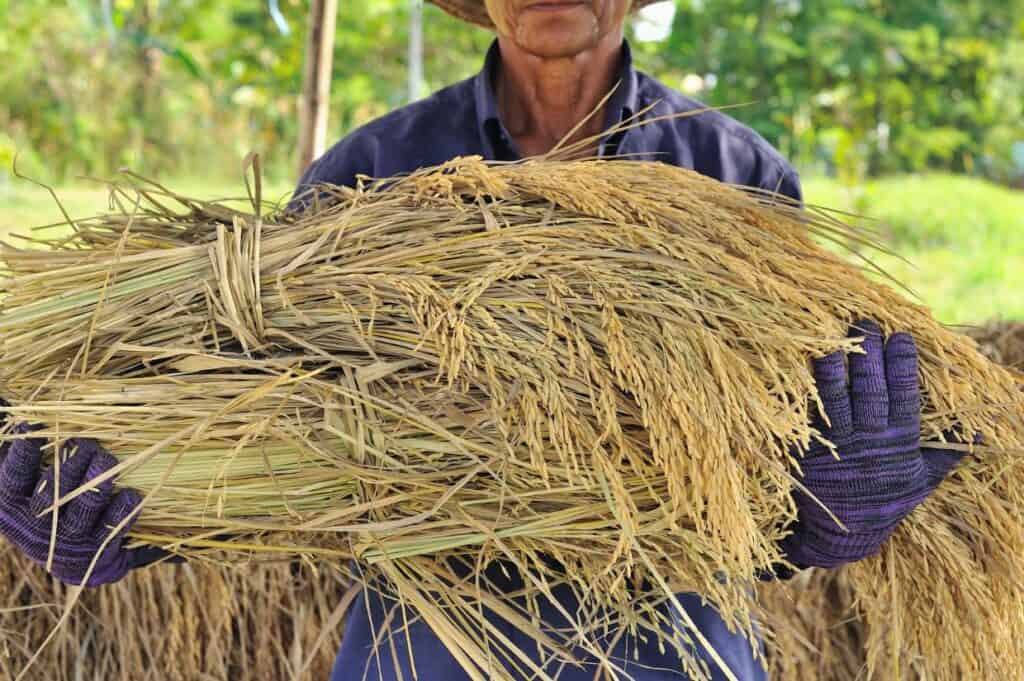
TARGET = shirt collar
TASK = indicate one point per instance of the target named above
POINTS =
(497, 142)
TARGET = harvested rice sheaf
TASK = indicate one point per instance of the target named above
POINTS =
(606, 364)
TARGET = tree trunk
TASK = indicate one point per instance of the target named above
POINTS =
(148, 116)
(415, 48)
(316, 86)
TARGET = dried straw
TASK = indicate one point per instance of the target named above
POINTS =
(601, 363)
(199, 621)
(817, 631)
(1002, 342)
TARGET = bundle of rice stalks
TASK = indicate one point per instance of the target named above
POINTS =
(596, 372)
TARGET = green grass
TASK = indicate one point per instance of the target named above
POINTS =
(963, 239)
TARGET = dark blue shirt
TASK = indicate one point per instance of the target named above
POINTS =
(463, 120)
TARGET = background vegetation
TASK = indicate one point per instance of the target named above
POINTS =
(911, 112)
(851, 88)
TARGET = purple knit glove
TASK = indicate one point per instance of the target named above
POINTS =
(882, 473)
(83, 524)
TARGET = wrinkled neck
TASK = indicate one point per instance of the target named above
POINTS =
(541, 100)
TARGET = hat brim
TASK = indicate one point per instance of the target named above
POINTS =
(475, 11)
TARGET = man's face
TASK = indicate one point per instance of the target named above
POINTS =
(557, 28)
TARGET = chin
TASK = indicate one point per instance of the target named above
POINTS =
(557, 38)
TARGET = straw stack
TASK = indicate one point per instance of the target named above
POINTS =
(1001, 341)
(174, 623)
(601, 363)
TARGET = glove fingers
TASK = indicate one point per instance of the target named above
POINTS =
(85, 510)
(830, 379)
(62, 477)
(120, 507)
(19, 471)
(901, 377)
(81, 447)
(76, 457)
(869, 395)
(42, 498)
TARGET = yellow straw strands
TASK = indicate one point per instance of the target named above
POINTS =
(1002, 342)
(174, 623)
(253, 622)
(594, 371)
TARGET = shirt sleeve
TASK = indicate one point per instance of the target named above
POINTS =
(788, 184)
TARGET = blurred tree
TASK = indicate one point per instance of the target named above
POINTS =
(191, 86)
(863, 87)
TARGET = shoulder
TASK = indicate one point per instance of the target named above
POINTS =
(716, 144)
(420, 134)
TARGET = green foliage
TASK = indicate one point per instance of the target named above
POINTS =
(867, 87)
(959, 240)
(194, 85)
(849, 88)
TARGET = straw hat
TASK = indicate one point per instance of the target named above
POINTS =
(475, 11)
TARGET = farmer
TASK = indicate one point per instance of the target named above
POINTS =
(553, 63)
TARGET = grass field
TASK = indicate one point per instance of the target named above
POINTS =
(961, 240)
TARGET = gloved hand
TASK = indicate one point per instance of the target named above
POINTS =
(882, 473)
(83, 524)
